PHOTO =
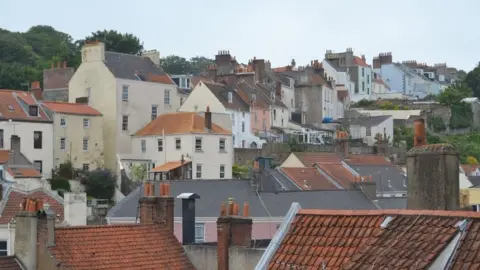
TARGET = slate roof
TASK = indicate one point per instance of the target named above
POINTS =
(214, 192)
(221, 93)
(388, 178)
(137, 246)
(366, 159)
(365, 121)
(57, 78)
(266, 91)
(10, 263)
(125, 66)
(274, 180)
(377, 239)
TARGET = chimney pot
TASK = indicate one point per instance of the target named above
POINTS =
(235, 209)
(230, 208)
(246, 209)
(64, 64)
(420, 137)
(223, 210)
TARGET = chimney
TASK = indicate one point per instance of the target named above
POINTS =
(232, 230)
(75, 208)
(157, 209)
(154, 56)
(58, 65)
(37, 90)
(93, 52)
(64, 64)
(188, 217)
(278, 89)
(432, 173)
(208, 119)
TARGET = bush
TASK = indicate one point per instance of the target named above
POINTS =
(65, 170)
(239, 171)
(100, 184)
(60, 184)
(436, 124)
(364, 103)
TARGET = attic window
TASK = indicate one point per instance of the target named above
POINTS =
(139, 77)
(10, 108)
(33, 110)
(230, 97)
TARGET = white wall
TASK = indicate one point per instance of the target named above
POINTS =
(25, 131)
(360, 132)
(280, 114)
(75, 208)
(288, 97)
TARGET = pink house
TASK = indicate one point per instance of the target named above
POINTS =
(259, 107)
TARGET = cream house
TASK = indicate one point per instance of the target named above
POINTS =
(128, 90)
(185, 145)
(77, 134)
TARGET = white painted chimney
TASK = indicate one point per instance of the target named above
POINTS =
(75, 208)
(93, 52)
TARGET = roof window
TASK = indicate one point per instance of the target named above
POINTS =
(33, 110)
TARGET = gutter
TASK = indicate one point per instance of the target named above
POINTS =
(279, 236)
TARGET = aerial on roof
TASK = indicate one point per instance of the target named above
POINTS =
(21, 106)
(179, 123)
(71, 108)
(378, 239)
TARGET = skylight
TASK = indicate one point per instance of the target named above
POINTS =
(10, 108)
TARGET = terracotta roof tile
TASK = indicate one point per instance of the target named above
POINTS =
(196, 79)
(71, 108)
(15, 198)
(367, 160)
(310, 158)
(11, 107)
(163, 78)
(360, 62)
(9, 263)
(166, 167)
(138, 246)
(339, 173)
(179, 123)
(4, 156)
(308, 178)
(345, 239)
(23, 172)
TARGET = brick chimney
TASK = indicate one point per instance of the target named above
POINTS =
(157, 209)
(208, 119)
(232, 230)
(37, 90)
(278, 90)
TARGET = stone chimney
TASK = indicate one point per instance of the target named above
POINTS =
(432, 173)
(188, 217)
(208, 119)
(232, 230)
(37, 90)
(157, 209)
(259, 69)
(154, 55)
(278, 90)
(93, 52)
(75, 208)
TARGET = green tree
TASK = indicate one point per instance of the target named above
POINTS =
(174, 64)
(199, 64)
(116, 41)
(139, 172)
(473, 80)
(454, 94)
(100, 184)
(239, 171)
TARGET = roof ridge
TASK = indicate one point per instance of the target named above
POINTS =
(88, 227)
(405, 212)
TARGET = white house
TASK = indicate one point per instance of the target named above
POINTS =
(26, 130)
(287, 86)
(185, 145)
(128, 90)
(368, 127)
(228, 109)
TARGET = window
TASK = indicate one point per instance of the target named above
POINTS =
(291, 102)
(1, 138)
(230, 97)
(143, 145)
(85, 144)
(363, 86)
(243, 143)
(63, 144)
(274, 115)
(243, 126)
(38, 165)
(368, 131)
(222, 171)
(368, 78)
(199, 171)
(178, 143)
(363, 72)
(199, 232)
(233, 119)
(154, 112)
(282, 122)
(10, 108)
(86, 167)
(198, 144)
(243, 114)
(160, 145)
(63, 122)
(125, 123)
(33, 110)
(166, 97)
(4, 250)
(221, 144)
(125, 93)
(37, 139)
(86, 123)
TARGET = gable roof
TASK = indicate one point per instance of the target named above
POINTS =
(310, 158)
(71, 108)
(221, 93)
(135, 67)
(138, 246)
(10, 263)
(57, 78)
(23, 172)
(179, 123)
(377, 239)
(308, 178)
(14, 105)
(364, 121)
(339, 173)
(266, 91)
(388, 178)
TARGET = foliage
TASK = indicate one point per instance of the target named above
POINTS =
(472, 160)
(461, 115)
(65, 170)
(473, 80)
(139, 172)
(436, 123)
(100, 184)
(295, 146)
(364, 103)
(116, 41)
(60, 184)
(381, 138)
(454, 94)
(239, 171)
(174, 64)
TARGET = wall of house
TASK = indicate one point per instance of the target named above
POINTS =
(56, 94)
(395, 78)
(204, 257)
(360, 132)
(329, 104)
(210, 157)
(364, 82)
(200, 98)
(259, 119)
(93, 75)
(292, 161)
(310, 100)
(141, 97)
(74, 133)
(279, 117)
(25, 131)
(378, 88)
(243, 137)
(288, 97)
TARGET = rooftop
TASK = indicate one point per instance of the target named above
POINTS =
(71, 108)
(15, 105)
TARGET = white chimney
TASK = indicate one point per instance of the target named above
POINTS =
(75, 208)
(154, 55)
(93, 52)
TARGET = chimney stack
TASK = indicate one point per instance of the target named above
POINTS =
(64, 64)
(36, 90)
(58, 65)
(75, 208)
(157, 209)
(188, 217)
(232, 230)
(208, 119)
(433, 174)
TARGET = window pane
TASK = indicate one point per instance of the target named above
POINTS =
(3, 245)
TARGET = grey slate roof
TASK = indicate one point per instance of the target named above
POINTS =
(274, 181)
(214, 192)
(475, 180)
(221, 93)
(365, 121)
(391, 203)
(388, 178)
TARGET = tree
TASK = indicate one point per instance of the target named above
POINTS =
(454, 94)
(173, 64)
(473, 80)
(116, 42)
(100, 184)
(139, 172)
(239, 171)
(199, 64)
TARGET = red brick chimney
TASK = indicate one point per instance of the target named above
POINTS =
(232, 230)
(420, 136)
(37, 90)
(157, 209)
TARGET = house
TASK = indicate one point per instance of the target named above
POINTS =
(185, 145)
(400, 117)
(128, 90)
(78, 134)
(42, 244)
(379, 87)
(55, 81)
(287, 90)
(27, 129)
(260, 116)
(370, 129)
(17, 170)
(229, 111)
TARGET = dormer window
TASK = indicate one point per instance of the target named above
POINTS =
(10, 108)
(230, 97)
(33, 110)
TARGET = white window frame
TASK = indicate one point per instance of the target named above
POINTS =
(220, 142)
(198, 238)
(154, 115)
(125, 122)
(38, 162)
(198, 147)
(143, 146)
(178, 144)
(125, 93)
(85, 144)
(368, 131)
(166, 97)
(230, 97)
(222, 172)
(64, 141)
(160, 145)
(198, 173)
(86, 123)
(86, 167)
(63, 122)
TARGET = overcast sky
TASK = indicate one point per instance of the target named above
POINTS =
(277, 30)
